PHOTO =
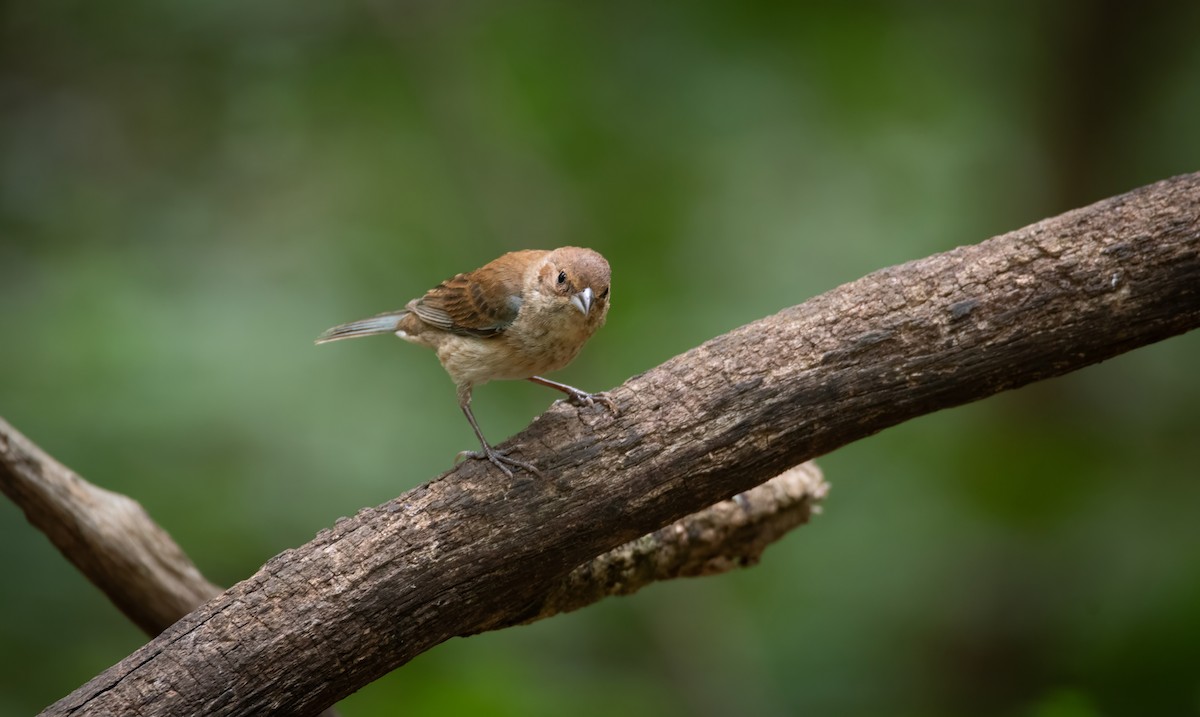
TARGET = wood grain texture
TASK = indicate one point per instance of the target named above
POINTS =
(473, 550)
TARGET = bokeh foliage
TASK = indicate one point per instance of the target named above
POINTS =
(191, 191)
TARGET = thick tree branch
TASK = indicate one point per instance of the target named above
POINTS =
(472, 550)
(121, 550)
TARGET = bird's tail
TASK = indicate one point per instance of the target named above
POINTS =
(381, 324)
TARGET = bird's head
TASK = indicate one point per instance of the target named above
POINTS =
(579, 278)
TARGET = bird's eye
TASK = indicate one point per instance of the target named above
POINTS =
(604, 294)
(562, 277)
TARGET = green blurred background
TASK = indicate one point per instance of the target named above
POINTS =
(191, 191)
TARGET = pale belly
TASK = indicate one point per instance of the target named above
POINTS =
(474, 361)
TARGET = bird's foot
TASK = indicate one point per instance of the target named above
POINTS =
(499, 459)
(583, 399)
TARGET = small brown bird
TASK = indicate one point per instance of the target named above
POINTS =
(524, 314)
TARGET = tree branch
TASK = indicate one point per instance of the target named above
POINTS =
(117, 546)
(106, 535)
(472, 551)
(731, 534)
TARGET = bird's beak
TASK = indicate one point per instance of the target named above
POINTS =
(583, 300)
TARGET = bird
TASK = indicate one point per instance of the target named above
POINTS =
(521, 315)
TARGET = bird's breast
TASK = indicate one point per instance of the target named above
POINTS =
(530, 346)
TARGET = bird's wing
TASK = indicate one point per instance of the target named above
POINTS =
(483, 302)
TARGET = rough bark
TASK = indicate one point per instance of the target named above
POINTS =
(117, 546)
(731, 534)
(473, 550)
(136, 564)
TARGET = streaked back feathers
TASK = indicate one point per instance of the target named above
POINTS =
(481, 303)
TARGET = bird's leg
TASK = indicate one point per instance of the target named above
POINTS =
(496, 456)
(577, 397)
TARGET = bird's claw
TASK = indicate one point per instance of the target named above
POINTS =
(499, 459)
(583, 399)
